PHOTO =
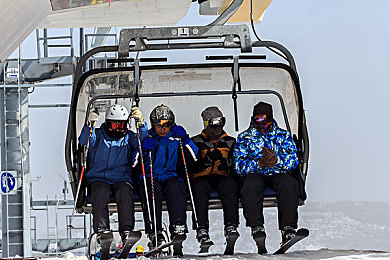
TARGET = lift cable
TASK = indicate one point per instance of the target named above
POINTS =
(257, 36)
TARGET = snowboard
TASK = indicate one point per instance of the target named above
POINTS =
(131, 239)
(301, 234)
(176, 242)
(230, 242)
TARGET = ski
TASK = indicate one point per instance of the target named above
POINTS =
(175, 242)
(131, 239)
(205, 245)
(301, 234)
(230, 242)
(105, 241)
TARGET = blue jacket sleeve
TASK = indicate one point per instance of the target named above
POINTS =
(190, 151)
(143, 132)
(243, 163)
(287, 155)
(83, 138)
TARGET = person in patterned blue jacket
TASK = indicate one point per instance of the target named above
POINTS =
(110, 155)
(264, 155)
(168, 173)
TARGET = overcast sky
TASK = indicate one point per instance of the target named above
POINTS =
(341, 52)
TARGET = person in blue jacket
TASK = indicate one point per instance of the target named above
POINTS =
(265, 155)
(109, 165)
(168, 174)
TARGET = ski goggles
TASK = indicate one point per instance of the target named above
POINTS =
(164, 123)
(215, 122)
(262, 122)
(261, 119)
(117, 125)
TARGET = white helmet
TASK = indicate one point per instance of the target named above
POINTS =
(117, 112)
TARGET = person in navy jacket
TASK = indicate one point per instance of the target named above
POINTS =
(168, 172)
(110, 155)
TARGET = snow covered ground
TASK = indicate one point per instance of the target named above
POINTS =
(338, 230)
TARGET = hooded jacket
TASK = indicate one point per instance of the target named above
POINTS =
(224, 144)
(249, 146)
(167, 157)
(109, 159)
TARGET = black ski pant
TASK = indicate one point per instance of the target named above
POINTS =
(100, 197)
(287, 194)
(174, 192)
(228, 191)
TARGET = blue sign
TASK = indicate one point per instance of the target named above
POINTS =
(8, 182)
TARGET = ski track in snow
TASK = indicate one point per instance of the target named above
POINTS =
(338, 230)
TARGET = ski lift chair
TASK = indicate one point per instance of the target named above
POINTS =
(234, 82)
(197, 86)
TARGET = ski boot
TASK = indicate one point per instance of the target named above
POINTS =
(258, 234)
(231, 235)
(178, 234)
(288, 233)
(202, 235)
(105, 239)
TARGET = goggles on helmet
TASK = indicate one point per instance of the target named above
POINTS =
(117, 125)
(215, 122)
(164, 123)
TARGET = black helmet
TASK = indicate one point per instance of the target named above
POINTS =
(161, 112)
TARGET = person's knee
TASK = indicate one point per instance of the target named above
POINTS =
(289, 184)
(252, 181)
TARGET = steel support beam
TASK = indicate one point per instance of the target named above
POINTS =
(15, 157)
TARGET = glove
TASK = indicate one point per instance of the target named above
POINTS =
(92, 117)
(179, 132)
(148, 144)
(137, 115)
(213, 156)
(225, 164)
(269, 158)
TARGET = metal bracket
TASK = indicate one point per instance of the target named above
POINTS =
(139, 35)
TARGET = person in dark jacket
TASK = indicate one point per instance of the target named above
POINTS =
(214, 170)
(265, 155)
(168, 174)
(110, 158)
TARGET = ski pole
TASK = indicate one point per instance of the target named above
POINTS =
(153, 200)
(143, 173)
(188, 182)
(81, 175)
